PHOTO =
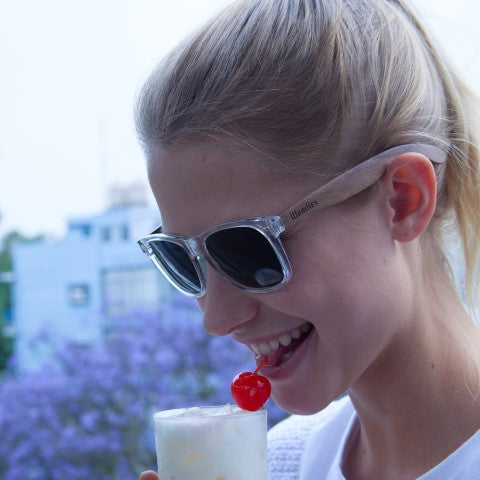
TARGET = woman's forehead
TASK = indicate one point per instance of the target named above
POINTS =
(196, 171)
(202, 185)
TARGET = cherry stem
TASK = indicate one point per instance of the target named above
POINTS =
(262, 363)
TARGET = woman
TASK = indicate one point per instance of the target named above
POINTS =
(327, 149)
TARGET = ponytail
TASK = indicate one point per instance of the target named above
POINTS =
(460, 194)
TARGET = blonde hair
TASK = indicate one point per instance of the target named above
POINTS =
(317, 87)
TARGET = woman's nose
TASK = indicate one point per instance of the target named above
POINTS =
(225, 306)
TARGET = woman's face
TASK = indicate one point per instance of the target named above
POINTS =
(343, 295)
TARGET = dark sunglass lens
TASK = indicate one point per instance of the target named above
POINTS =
(177, 264)
(246, 256)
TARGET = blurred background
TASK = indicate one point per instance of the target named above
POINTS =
(92, 339)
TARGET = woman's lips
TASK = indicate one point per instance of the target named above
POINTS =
(289, 363)
(283, 352)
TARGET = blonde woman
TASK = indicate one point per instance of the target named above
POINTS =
(309, 158)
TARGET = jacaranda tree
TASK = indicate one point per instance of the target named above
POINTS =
(90, 415)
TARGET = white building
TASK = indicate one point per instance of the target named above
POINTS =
(74, 289)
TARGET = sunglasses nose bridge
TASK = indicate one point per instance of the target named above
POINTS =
(194, 247)
(196, 251)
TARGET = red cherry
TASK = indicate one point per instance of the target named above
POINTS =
(250, 391)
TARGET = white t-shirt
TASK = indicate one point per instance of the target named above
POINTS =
(312, 448)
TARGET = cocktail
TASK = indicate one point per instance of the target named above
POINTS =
(211, 443)
(216, 443)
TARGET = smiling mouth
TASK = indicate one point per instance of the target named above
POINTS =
(280, 349)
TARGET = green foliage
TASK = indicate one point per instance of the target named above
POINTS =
(5, 266)
(6, 350)
(6, 342)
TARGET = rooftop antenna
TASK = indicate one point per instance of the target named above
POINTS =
(103, 157)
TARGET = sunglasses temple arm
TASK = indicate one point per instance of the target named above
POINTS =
(355, 180)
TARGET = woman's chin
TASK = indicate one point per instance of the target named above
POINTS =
(296, 403)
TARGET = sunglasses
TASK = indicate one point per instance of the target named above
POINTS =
(249, 253)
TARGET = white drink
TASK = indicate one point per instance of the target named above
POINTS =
(211, 443)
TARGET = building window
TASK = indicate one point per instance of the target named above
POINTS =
(128, 290)
(78, 295)
(124, 233)
(83, 229)
(106, 234)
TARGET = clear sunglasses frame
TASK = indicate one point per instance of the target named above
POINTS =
(345, 186)
(195, 247)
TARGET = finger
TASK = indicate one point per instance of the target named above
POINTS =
(149, 476)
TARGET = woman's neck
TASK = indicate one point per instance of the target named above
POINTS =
(420, 400)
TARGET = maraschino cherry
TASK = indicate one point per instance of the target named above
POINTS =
(249, 390)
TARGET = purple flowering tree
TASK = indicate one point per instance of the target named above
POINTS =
(93, 418)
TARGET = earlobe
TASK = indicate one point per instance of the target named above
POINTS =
(411, 188)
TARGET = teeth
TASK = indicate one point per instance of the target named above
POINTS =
(264, 348)
(267, 348)
(285, 340)
(274, 344)
(297, 333)
(255, 349)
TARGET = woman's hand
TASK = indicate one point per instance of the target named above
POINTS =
(149, 476)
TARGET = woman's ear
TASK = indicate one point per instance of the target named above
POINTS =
(410, 188)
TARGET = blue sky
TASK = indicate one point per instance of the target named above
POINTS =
(70, 70)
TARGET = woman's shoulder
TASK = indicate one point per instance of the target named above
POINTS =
(462, 464)
(287, 439)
